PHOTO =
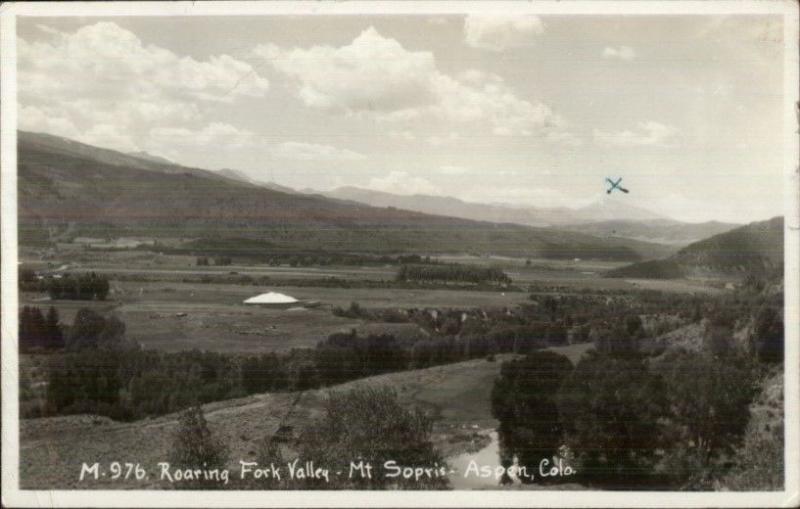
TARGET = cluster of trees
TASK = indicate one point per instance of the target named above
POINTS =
(37, 331)
(132, 384)
(454, 273)
(264, 252)
(628, 423)
(203, 261)
(81, 287)
(28, 280)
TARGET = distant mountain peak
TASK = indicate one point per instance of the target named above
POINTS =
(608, 208)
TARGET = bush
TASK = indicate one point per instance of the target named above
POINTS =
(195, 447)
(767, 338)
(369, 425)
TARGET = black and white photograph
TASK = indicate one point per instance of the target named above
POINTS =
(369, 254)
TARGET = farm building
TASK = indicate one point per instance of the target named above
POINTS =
(273, 299)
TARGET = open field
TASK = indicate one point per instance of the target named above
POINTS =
(173, 315)
(176, 316)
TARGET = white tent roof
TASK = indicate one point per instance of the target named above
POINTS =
(271, 298)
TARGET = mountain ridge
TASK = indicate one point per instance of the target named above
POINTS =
(68, 186)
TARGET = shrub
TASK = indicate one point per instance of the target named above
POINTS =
(767, 337)
(194, 446)
(368, 424)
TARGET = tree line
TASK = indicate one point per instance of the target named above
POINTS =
(81, 287)
(455, 273)
(627, 423)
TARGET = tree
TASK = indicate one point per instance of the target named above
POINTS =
(524, 401)
(610, 408)
(85, 330)
(634, 326)
(369, 425)
(616, 342)
(55, 338)
(194, 446)
(91, 330)
(766, 341)
(710, 399)
(33, 332)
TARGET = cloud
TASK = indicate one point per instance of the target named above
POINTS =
(103, 75)
(620, 53)
(647, 134)
(498, 33)
(400, 182)
(220, 136)
(314, 152)
(372, 73)
(105, 60)
(448, 169)
(109, 135)
(375, 75)
(46, 120)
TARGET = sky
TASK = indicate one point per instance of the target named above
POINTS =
(523, 110)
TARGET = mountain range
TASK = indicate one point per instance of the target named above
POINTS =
(68, 186)
(606, 217)
(602, 210)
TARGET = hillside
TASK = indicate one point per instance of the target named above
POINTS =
(756, 248)
(663, 231)
(66, 186)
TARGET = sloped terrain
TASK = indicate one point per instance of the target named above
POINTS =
(756, 248)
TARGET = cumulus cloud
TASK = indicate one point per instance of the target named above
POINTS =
(46, 120)
(620, 53)
(314, 152)
(402, 182)
(372, 73)
(647, 134)
(102, 75)
(498, 33)
(107, 61)
(376, 75)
